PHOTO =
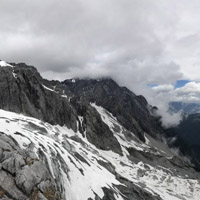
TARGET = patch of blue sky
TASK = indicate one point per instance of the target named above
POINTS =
(180, 83)
(151, 85)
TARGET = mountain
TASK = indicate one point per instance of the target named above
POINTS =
(84, 139)
(187, 108)
(186, 137)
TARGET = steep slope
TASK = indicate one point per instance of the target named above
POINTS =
(83, 140)
(132, 111)
(22, 92)
(82, 171)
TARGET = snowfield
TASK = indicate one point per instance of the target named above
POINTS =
(77, 164)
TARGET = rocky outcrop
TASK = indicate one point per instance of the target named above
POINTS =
(22, 176)
(92, 126)
(100, 142)
(132, 111)
(43, 161)
(22, 91)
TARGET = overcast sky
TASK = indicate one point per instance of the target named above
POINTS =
(139, 43)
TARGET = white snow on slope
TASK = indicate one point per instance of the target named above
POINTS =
(4, 64)
(84, 177)
(155, 179)
(112, 122)
(47, 88)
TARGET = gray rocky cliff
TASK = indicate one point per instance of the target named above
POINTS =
(24, 91)
(132, 111)
(22, 176)
(83, 140)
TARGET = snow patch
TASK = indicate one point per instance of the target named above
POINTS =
(4, 64)
(84, 178)
(14, 74)
(47, 88)
(79, 170)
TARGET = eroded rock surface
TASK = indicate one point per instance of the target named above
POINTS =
(21, 179)
(84, 140)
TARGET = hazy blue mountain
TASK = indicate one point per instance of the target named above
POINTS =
(187, 137)
(187, 108)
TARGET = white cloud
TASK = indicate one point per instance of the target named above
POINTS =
(163, 88)
(191, 88)
(135, 42)
(163, 94)
(169, 119)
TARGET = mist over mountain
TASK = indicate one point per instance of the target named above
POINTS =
(137, 43)
(185, 136)
(85, 139)
(99, 100)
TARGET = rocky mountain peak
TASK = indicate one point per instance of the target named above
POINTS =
(25, 91)
(83, 139)
(4, 64)
(131, 110)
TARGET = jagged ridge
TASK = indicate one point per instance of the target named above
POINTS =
(96, 140)
(24, 91)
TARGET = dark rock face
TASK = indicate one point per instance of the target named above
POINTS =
(97, 132)
(187, 138)
(40, 161)
(132, 111)
(24, 91)
(104, 138)
(26, 94)
(132, 192)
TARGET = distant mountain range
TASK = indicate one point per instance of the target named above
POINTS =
(187, 108)
(85, 139)
(186, 137)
